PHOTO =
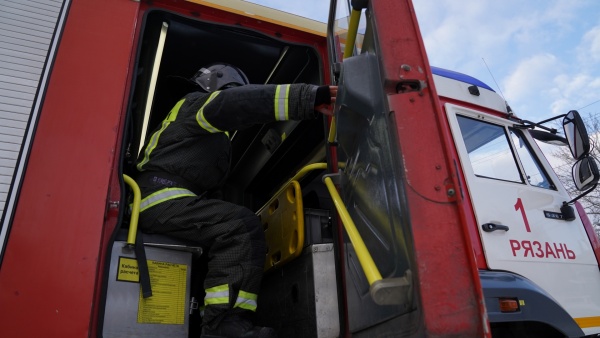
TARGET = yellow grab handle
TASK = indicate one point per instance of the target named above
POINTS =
(352, 32)
(348, 50)
(135, 208)
(364, 257)
(308, 168)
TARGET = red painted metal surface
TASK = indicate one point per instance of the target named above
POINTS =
(50, 279)
(210, 14)
(466, 210)
(589, 229)
(50, 269)
(450, 292)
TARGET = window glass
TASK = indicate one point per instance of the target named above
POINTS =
(489, 150)
(341, 26)
(533, 170)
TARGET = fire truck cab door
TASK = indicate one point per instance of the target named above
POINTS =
(384, 108)
(517, 208)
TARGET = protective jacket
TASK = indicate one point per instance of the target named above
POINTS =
(193, 142)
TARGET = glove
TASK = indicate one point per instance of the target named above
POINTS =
(323, 96)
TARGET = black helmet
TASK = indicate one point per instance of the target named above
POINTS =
(219, 76)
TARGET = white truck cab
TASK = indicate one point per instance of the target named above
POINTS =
(538, 254)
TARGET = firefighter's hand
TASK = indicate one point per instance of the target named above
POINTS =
(325, 99)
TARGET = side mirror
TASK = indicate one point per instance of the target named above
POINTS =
(576, 135)
(585, 173)
(585, 177)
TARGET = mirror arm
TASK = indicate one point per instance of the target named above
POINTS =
(529, 124)
(567, 210)
(581, 195)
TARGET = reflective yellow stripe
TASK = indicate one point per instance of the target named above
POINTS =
(164, 195)
(154, 139)
(202, 120)
(217, 295)
(281, 102)
(246, 300)
(218, 288)
(585, 322)
(216, 300)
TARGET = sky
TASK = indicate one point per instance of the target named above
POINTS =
(543, 56)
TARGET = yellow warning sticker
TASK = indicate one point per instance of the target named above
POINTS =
(128, 270)
(167, 304)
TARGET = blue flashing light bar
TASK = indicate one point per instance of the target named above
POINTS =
(459, 77)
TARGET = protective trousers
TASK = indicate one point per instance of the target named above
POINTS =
(233, 240)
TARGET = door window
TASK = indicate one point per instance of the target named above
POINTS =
(341, 30)
(536, 176)
(491, 156)
(489, 150)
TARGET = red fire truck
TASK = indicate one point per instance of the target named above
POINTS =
(423, 208)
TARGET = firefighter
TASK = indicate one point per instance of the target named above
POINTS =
(189, 155)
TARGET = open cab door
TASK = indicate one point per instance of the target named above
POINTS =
(407, 266)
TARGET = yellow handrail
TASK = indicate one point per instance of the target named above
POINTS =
(135, 209)
(364, 257)
(306, 169)
(297, 177)
(332, 131)
(352, 32)
(348, 50)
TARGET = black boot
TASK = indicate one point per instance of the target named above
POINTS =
(235, 326)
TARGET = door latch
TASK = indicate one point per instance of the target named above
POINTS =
(489, 227)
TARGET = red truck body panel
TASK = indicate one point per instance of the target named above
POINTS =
(449, 284)
(51, 264)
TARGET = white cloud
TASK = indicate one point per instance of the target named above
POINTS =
(578, 87)
(529, 46)
(531, 78)
(461, 34)
(564, 87)
(589, 49)
(574, 92)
